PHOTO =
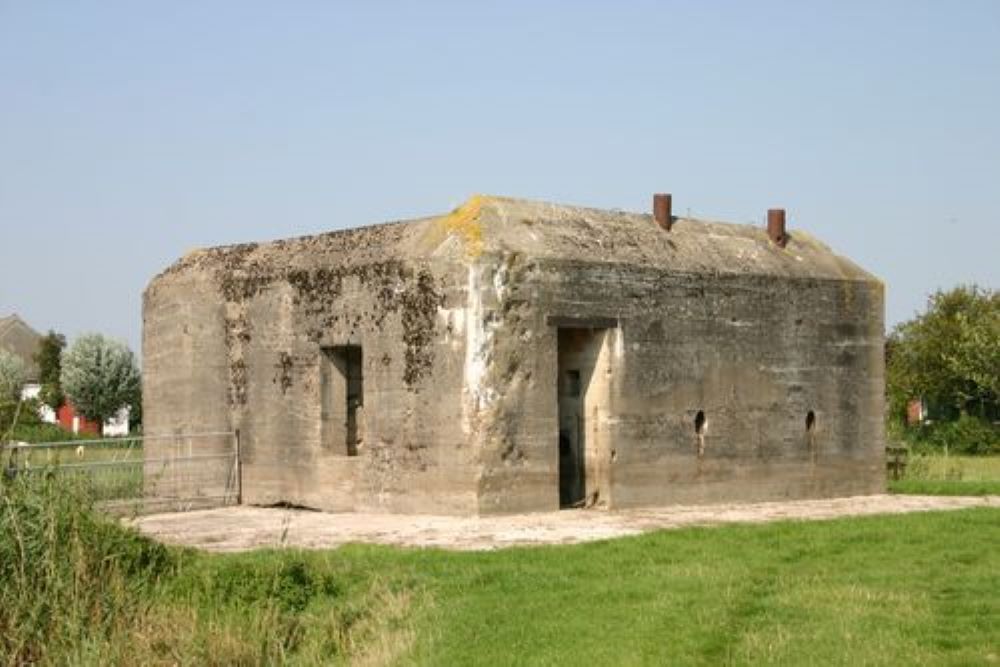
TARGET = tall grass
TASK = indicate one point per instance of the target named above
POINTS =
(67, 576)
(934, 474)
(78, 588)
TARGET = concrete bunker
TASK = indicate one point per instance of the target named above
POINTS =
(514, 356)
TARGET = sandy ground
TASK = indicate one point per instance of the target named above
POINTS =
(243, 528)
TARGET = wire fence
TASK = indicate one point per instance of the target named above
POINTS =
(141, 474)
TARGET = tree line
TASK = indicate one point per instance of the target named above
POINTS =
(948, 359)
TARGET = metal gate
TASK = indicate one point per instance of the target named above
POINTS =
(142, 474)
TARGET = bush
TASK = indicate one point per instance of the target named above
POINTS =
(39, 432)
(24, 412)
(965, 435)
(12, 375)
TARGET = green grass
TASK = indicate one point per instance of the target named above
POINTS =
(105, 451)
(936, 474)
(41, 432)
(919, 589)
(924, 487)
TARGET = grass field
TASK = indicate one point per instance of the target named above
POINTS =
(919, 589)
(111, 467)
(906, 590)
(950, 475)
(106, 450)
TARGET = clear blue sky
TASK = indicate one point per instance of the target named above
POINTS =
(131, 132)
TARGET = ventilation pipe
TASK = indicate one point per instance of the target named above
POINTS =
(662, 211)
(776, 226)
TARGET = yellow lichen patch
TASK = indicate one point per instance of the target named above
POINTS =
(464, 223)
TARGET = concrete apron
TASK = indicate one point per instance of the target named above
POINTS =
(244, 528)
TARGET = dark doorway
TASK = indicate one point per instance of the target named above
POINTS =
(582, 395)
(572, 465)
(342, 397)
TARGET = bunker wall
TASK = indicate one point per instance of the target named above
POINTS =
(409, 452)
(787, 375)
(185, 391)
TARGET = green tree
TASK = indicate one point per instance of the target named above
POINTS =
(49, 360)
(948, 355)
(135, 412)
(12, 375)
(100, 376)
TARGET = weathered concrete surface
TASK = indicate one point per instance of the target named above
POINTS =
(244, 528)
(459, 320)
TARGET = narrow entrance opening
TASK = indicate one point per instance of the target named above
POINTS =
(342, 398)
(583, 382)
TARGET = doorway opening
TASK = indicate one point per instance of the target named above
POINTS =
(342, 398)
(584, 376)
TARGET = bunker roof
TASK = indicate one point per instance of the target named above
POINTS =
(488, 226)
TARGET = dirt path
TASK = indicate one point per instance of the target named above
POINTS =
(243, 528)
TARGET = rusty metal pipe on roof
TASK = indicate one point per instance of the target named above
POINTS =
(662, 210)
(776, 226)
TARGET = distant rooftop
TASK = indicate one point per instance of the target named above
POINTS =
(20, 339)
